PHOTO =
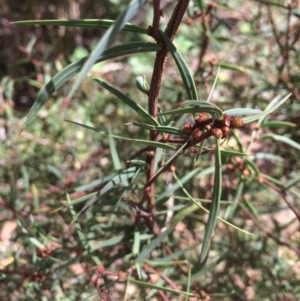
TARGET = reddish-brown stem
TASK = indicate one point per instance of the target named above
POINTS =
(153, 31)
(35, 62)
(163, 296)
(202, 124)
(161, 56)
(155, 85)
(150, 269)
(176, 18)
(176, 140)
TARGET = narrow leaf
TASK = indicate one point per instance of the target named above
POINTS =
(147, 142)
(114, 153)
(141, 111)
(131, 10)
(153, 244)
(230, 66)
(185, 73)
(196, 106)
(283, 139)
(277, 123)
(85, 242)
(213, 86)
(242, 111)
(199, 206)
(271, 3)
(249, 205)
(157, 287)
(271, 107)
(230, 210)
(213, 215)
(108, 243)
(232, 153)
(70, 71)
(121, 178)
(83, 23)
(268, 156)
(161, 129)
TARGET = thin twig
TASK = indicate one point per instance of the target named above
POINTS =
(153, 31)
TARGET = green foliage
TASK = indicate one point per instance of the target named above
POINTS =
(108, 192)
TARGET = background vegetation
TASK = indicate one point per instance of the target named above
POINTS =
(53, 168)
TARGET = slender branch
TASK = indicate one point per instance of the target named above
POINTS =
(155, 85)
(176, 18)
(153, 31)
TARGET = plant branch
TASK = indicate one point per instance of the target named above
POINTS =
(153, 30)
(155, 85)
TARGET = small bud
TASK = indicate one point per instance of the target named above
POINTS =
(230, 167)
(187, 128)
(236, 122)
(234, 182)
(239, 163)
(225, 130)
(189, 21)
(151, 153)
(201, 117)
(148, 189)
(196, 133)
(100, 268)
(122, 274)
(217, 133)
(226, 120)
(194, 150)
(261, 180)
(254, 126)
(160, 164)
(165, 137)
(213, 61)
(246, 173)
(211, 5)
(172, 168)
